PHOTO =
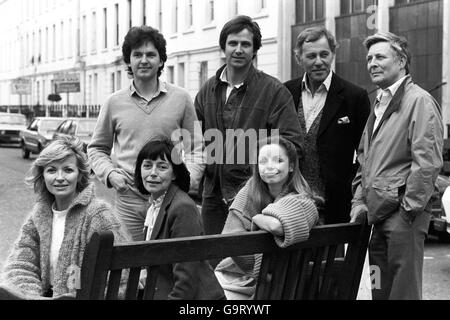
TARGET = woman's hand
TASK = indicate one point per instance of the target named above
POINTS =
(269, 223)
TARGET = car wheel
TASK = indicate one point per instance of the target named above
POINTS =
(25, 152)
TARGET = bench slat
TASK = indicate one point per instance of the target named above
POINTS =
(296, 272)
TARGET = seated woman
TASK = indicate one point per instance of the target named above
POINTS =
(46, 259)
(161, 174)
(276, 199)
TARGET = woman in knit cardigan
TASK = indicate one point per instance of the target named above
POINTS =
(46, 259)
(276, 199)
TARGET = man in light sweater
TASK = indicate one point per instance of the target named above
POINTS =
(130, 117)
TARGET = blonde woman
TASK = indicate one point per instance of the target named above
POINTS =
(46, 259)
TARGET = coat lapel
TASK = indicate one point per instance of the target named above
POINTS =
(394, 105)
(163, 212)
(332, 105)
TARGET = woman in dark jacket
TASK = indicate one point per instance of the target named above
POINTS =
(161, 173)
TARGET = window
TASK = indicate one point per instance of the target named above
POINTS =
(54, 43)
(181, 74)
(84, 35)
(61, 41)
(356, 6)
(160, 15)
(170, 74)
(116, 22)
(144, 12)
(94, 32)
(130, 15)
(203, 76)
(70, 38)
(210, 11)
(400, 2)
(105, 28)
(47, 51)
(175, 17)
(261, 5)
(309, 10)
(189, 14)
(113, 82)
(235, 9)
(119, 80)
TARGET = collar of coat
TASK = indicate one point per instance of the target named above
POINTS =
(251, 72)
(82, 199)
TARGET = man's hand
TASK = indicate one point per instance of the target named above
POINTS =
(358, 211)
(119, 181)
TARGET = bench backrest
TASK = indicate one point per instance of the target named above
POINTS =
(307, 270)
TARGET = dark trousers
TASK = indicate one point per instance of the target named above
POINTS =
(397, 248)
(214, 214)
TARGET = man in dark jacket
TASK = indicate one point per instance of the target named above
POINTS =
(237, 107)
(332, 114)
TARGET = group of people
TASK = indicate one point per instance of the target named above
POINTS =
(305, 172)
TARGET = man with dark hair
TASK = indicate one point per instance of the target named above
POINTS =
(400, 156)
(132, 116)
(240, 99)
(332, 114)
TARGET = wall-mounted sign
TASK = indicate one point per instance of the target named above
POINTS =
(21, 86)
(67, 82)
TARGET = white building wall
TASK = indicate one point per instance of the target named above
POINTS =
(62, 51)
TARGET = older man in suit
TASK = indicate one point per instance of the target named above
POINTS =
(332, 114)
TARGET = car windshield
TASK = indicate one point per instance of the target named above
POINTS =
(13, 119)
(86, 127)
(49, 125)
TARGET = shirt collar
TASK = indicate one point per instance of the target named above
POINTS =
(157, 202)
(326, 83)
(223, 78)
(162, 88)
(392, 89)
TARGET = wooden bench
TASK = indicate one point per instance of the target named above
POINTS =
(307, 270)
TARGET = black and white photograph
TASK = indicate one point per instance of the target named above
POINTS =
(213, 150)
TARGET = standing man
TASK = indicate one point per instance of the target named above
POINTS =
(332, 114)
(400, 155)
(146, 109)
(239, 97)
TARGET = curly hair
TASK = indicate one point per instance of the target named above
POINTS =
(138, 36)
(164, 149)
(238, 24)
(58, 150)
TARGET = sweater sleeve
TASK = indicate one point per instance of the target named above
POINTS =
(194, 146)
(297, 215)
(22, 268)
(105, 220)
(99, 149)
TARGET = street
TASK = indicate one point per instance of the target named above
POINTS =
(17, 199)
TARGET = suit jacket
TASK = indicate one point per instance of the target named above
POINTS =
(337, 141)
(179, 217)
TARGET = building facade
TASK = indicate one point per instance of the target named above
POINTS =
(43, 38)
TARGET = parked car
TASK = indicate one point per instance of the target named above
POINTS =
(10, 126)
(440, 217)
(83, 128)
(38, 135)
